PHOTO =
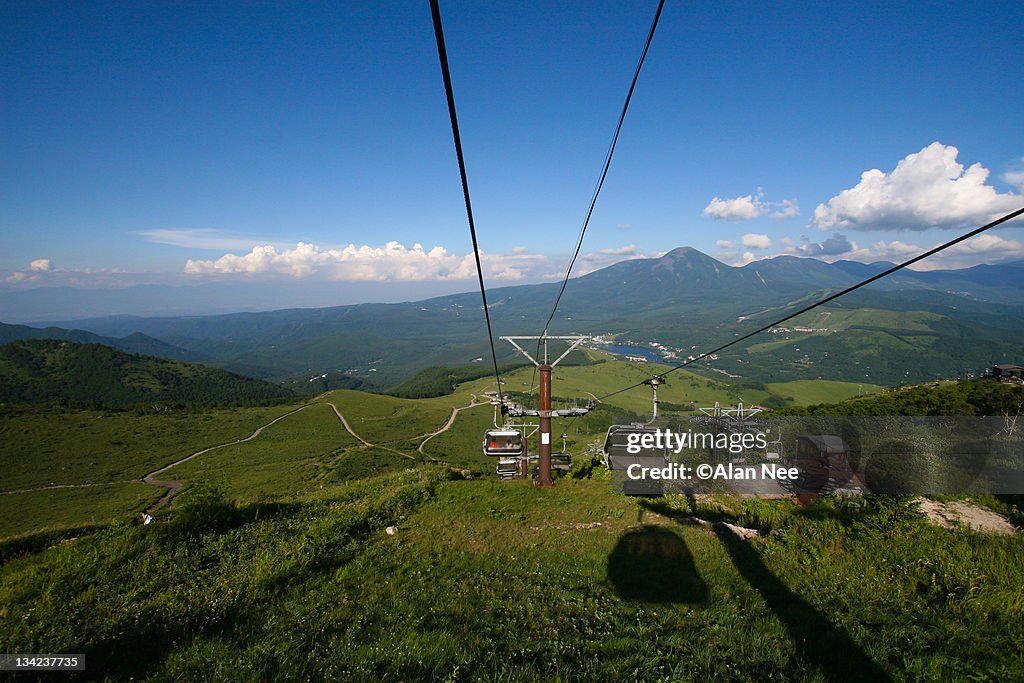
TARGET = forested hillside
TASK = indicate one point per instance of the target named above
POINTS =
(966, 397)
(98, 376)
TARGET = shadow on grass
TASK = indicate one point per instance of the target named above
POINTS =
(817, 640)
(653, 564)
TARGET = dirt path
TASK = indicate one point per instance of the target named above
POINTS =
(344, 423)
(363, 441)
(174, 485)
(448, 424)
(53, 487)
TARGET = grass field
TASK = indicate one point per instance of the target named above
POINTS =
(65, 508)
(386, 419)
(288, 458)
(42, 448)
(46, 447)
(811, 392)
(492, 581)
(683, 387)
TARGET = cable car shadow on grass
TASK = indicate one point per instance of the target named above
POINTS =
(653, 564)
(817, 640)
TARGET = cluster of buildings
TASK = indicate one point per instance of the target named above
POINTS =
(786, 330)
(1009, 373)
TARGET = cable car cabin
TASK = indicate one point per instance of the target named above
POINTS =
(561, 462)
(503, 443)
(508, 468)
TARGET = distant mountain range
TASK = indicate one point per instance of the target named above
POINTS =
(938, 323)
(135, 342)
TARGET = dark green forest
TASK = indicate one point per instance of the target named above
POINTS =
(965, 397)
(102, 377)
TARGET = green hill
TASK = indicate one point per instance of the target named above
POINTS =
(966, 397)
(493, 581)
(39, 370)
(275, 562)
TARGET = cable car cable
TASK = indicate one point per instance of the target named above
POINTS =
(832, 297)
(442, 54)
(607, 164)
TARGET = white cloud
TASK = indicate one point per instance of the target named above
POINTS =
(33, 273)
(725, 244)
(985, 248)
(1015, 176)
(756, 241)
(588, 263)
(787, 208)
(19, 277)
(738, 209)
(927, 189)
(836, 245)
(42, 273)
(628, 250)
(395, 262)
(392, 262)
(749, 207)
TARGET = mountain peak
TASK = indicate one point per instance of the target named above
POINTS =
(685, 253)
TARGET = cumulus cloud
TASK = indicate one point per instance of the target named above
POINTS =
(927, 189)
(756, 241)
(20, 276)
(738, 209)
(588, 263)
(749, 207)
(392, 262)
(985, 248)
(395, 262)
(1015, 176)
(628, 250)
(725, 244)
(833, 246)
(33, 273)
(41, 272)
(787, 208)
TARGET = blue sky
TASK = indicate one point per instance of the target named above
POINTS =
(309, 143)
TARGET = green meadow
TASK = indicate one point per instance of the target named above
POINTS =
(310, 449)
(499, 581)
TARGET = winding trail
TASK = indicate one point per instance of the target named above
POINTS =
(344, 423)
(449, 423)
(363, 441)
(174, 485)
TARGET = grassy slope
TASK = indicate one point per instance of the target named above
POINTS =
(682, 388)
(38, 448)
(73, 507)
(304, 451)
(498, 581)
